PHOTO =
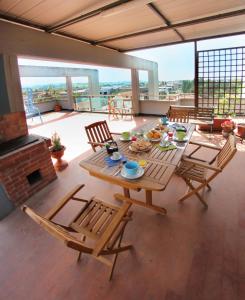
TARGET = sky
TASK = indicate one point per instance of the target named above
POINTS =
(174, 62)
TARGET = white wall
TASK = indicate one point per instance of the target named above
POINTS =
(161, 107)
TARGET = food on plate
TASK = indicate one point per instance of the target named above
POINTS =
(162, 127)
(153, 134)
(140, 145)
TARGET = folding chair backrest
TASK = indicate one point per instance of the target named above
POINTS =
(180, 115)
(56, 231)
(98, 132)
(227, 152)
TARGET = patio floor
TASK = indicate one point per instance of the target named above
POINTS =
(191, 253)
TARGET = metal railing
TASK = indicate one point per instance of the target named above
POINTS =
(167, 97)
(40, 97)
(100, 103)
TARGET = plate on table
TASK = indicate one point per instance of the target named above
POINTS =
(116, 159)
(140, 173)
(179, 127)
(140, 146)
(184, 140)
(154, 140)
(125, 140)
(153, 135)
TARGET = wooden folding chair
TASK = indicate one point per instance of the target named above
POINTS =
(197, 170)
(98, 221)
(113, 110)
(178, 114)
(98, 134)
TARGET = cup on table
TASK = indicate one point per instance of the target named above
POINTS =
(180, 135)
(116, 155)
(126, 135)
(131, 167)
(170, 134)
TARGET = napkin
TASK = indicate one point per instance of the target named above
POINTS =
(170, 147)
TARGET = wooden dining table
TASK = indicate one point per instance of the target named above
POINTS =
(160, 166)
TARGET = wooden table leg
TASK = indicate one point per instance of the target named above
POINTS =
(146, 204)
(148, 197)
(126, 192)
(148, 201)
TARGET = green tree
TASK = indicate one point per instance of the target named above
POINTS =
(188, 86)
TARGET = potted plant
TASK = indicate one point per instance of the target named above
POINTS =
(54, 93)
(57, 151)
(222, 113)
(241, 131)
(228, 127)
(57, 107)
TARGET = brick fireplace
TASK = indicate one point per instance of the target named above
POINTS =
(27, 169)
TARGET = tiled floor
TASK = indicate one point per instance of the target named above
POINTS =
(191, 253)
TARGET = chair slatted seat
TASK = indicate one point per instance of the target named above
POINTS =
(192, 169)
(195, 172)
(98, 221)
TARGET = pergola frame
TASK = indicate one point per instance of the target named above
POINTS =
(166, 26)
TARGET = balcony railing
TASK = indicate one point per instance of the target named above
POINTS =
(167, 97)
(100, 103)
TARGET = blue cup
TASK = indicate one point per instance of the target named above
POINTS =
(131, 167)
(164, 120)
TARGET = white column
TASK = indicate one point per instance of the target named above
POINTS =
(69, 92)
(10, 78)
(135, 90)
(153, 83)
(93, 83)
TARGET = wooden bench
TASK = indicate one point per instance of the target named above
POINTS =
(191, 114)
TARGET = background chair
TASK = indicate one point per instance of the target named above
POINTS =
(98, 221)
(178, 114)
(98, 134)
(31, 109)
(128, 109)
(202, 172)
(113, 109)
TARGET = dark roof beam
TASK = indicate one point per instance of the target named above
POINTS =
(86, 16)
(165, 20)
(174, 26)
(183, 42)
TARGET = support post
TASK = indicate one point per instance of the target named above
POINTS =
(10, 85)
(196, 74)
(153, 89)
(69, 92)
(135, 90)
(93, 83)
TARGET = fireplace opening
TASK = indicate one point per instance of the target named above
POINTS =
(34, 177)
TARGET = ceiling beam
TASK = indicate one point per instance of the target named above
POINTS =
(174, 26)
(165, 20)
(184, 42)
(86, 16)
(21, 22)
(43, 28)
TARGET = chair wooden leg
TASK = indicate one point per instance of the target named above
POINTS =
(80, 253)
(115, 257)
(79, 256)
(194, 191)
